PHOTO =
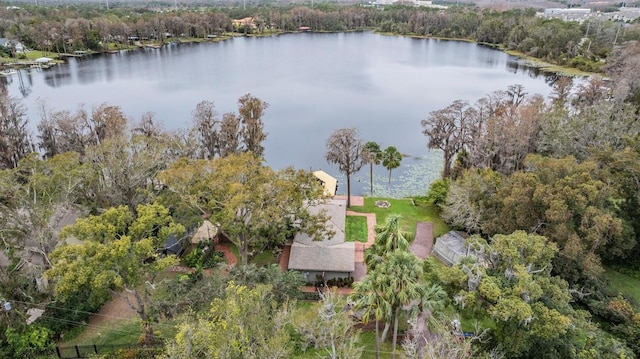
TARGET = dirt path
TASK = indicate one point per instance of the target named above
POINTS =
(423, 241)
(112, 314)
(116, 311)
(225, 247)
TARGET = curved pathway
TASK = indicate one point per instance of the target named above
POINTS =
(225, 247)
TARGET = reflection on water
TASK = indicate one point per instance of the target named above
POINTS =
(315, 83)
(516, 66)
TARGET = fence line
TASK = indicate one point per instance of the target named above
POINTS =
(85, 351)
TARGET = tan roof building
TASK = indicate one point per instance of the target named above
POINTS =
(329, 182)
(206, 232)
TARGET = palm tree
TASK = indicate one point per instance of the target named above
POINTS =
(372, 154)
(398, 283)
(389, 238)
(391, 159)
(373, 304)
(432, 299)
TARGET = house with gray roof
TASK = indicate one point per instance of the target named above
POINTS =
(331, 257)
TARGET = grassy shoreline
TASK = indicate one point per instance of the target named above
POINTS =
(524, 58)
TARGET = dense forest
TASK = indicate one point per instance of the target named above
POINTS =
(86, 27)
(547, 188)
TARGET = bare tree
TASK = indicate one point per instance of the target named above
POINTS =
(63, 131)
(107, 121)
(147, 126)
(448, 130)
(344, 148)
(561, 91)
(229, 135)
(251, 110)
(504, 129)
(206, 122)
(126, 167)
(15, 142)
(624, 67)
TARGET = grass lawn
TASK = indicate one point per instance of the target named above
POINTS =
(116, 332)
(368, 341)
(356, 229)
(411, 213)
(32, 55)
(264, 259)
(623, 283)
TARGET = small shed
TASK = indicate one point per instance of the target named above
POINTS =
(451, 247)
(172, 246)
(206, 232)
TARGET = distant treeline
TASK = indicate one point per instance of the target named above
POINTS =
(91, 27)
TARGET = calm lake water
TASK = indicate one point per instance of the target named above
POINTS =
(315, 83)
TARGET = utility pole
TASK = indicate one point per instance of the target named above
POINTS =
(617, 33)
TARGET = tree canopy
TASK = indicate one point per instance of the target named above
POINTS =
(115, 253)
(254, 206)
(510, 280)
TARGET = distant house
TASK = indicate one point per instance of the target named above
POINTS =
(330, 258)
(16, 45)
(451, 247)
(329, 183)
(246, 22)
(304, 29)
(572, 14)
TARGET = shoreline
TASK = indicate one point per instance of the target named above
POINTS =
(523, 58)
(57, 58)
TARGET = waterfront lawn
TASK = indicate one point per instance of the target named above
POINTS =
(356, 229)
(412, 212)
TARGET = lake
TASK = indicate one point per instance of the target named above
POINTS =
(315, 83)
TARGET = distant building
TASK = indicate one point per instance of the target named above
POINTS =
(17, 45)
(567, 14)
(417, 3)
(626, 14)
(246, 22)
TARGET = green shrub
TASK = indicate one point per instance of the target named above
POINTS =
(438, 192)
(203, 255)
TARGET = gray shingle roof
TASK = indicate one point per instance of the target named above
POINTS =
(336, 258)
(332, 254)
